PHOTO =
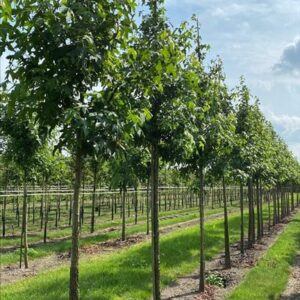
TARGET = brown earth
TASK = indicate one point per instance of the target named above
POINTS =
(292, 291)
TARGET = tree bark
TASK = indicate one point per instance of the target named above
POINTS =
(251, 224)
(258, 210)
(202, 246)
(261, 209)
(292, 197)
(242, 218)
(226, 230)
(154, 221)
(46, 212)
(74, 271)
(94, 198)
(24, 243)
(135, 205)
(147, 206)
(123, 213)
(4, 215)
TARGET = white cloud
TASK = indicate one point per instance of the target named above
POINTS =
(295, 148)
(289, 124)
(290, 59)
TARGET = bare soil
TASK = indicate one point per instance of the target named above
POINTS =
(292, 291)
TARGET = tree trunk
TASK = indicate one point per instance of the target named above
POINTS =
(242, 218)
(147, 206)
(258, 210)
(292, 198)
(42, 207)
(201, 211)
(123, 213)
(94, 199)
(74, 272)
(154, 221)
(261, 209)
(269, 210)
(135, 205)
(4, 215)
(226, 230)
(46, 213)
(24, 243)
(81, 217)
(251, 224)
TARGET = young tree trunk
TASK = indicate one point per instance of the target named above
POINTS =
(4, 215)
(135, 205)
(42, 207)
(46, 212)
(147, 206)
(123, 213)
(261, 209)
(74, 272)
(59, 202)
(242, 218)
(154, 221)
(279, 207)
(18, 211)
(94, 198)
(33, 205)
(201, 212)
(251, 223)
(292, 197)
(273, 193)
(226, 230)
(24, 243)
(258, 210)
(81, 216)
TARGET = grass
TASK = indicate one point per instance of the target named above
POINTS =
(44, 250)
(35, 234)
(269, 277)
(127, 273)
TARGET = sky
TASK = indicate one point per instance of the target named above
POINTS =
(259, 39)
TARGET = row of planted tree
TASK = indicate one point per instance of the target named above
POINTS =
(46, 211)
(92, 81)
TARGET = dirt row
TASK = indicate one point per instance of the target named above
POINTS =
(292, 291)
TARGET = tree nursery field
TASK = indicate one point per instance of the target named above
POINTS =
(129, 169)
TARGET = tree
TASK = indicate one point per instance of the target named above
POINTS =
(59, 52)
(243, 152)
(124, 176)
(156, 85)
(206, 126)
(22, 144)
(221, 165)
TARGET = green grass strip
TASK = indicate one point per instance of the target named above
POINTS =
(126, 274)
(268, 279)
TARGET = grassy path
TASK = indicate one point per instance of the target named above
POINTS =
(268, 279)
(127, 273)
